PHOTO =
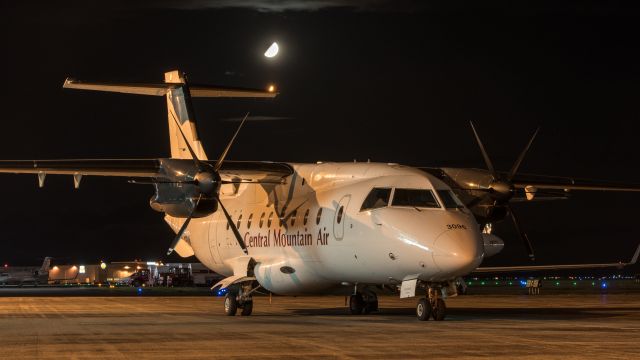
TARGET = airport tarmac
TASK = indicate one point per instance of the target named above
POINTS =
(508, 326)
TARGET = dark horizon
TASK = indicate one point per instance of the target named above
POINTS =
(360, 80)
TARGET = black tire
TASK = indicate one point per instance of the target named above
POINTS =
(371, 305)
(247, 309)
(423, 310)
(440, 312)
(230, 304)
(356, 304)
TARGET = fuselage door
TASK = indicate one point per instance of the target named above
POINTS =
(340, 217)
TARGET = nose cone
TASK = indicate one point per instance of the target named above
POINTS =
(458, 252)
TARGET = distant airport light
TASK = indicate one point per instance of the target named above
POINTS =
(54, 268)
(152, 263)
(6, 265)
(271, 88)
(103, 265)
(127, 267)
(138, 267)
(82, 269)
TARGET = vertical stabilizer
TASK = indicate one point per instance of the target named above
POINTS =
(180, 112)
(46, 264)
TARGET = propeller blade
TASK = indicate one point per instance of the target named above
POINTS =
(226, 150)
(516, 166)
(184, 137)
(487, 160)
(523, 235)
(233, 228)
(175, 241)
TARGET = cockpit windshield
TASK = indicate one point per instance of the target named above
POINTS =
(415, 198)
(377, 198)
(449, 199)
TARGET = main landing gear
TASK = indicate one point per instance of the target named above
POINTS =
(432, 306)
(360, 303)
(240, 298)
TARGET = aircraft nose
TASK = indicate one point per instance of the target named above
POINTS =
(458, 252)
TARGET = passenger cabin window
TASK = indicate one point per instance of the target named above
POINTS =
(249, 220)
(306, 217)
(449, 199)
(414, 198)
(340, 213)
(377, 198)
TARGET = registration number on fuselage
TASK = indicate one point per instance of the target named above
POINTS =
(456, 227)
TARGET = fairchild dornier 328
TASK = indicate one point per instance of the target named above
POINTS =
(295, 229)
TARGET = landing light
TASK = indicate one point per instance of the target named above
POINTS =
(271, 88)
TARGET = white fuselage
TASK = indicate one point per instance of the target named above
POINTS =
(321, 248)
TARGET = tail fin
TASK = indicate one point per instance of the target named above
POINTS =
(45, 265)
(178, 95)
(180, 113)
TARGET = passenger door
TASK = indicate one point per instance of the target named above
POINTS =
(340, 217)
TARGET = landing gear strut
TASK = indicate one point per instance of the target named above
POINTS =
(432, 306)
(240, 299)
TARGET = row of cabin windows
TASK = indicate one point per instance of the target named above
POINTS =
(292, 218)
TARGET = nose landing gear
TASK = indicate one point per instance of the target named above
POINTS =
(432, 306)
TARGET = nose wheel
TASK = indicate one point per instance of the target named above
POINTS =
(431, 307)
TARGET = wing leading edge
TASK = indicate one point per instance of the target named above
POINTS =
(249, 171)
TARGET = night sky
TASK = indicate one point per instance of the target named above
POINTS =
(387, 81)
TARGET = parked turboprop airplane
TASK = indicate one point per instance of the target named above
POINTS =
(297, 229)
(21, 275)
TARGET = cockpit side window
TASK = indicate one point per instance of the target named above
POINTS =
(449, 199)
(415, 197)
(377, 198)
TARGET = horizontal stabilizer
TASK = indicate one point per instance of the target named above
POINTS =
(161, 89)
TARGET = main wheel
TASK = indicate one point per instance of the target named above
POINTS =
(371, 305)
(247, 308)
(423, 310)
(440, 311)
(230, 304)
(356, 304)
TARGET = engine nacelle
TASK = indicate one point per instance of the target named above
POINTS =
(493, 245)
(178, 200)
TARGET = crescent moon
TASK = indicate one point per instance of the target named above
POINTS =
(272, 50)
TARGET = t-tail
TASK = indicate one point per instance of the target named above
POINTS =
(179, 109)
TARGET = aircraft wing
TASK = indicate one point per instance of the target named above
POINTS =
(250, 171)
(566, 183)
(504, 269)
